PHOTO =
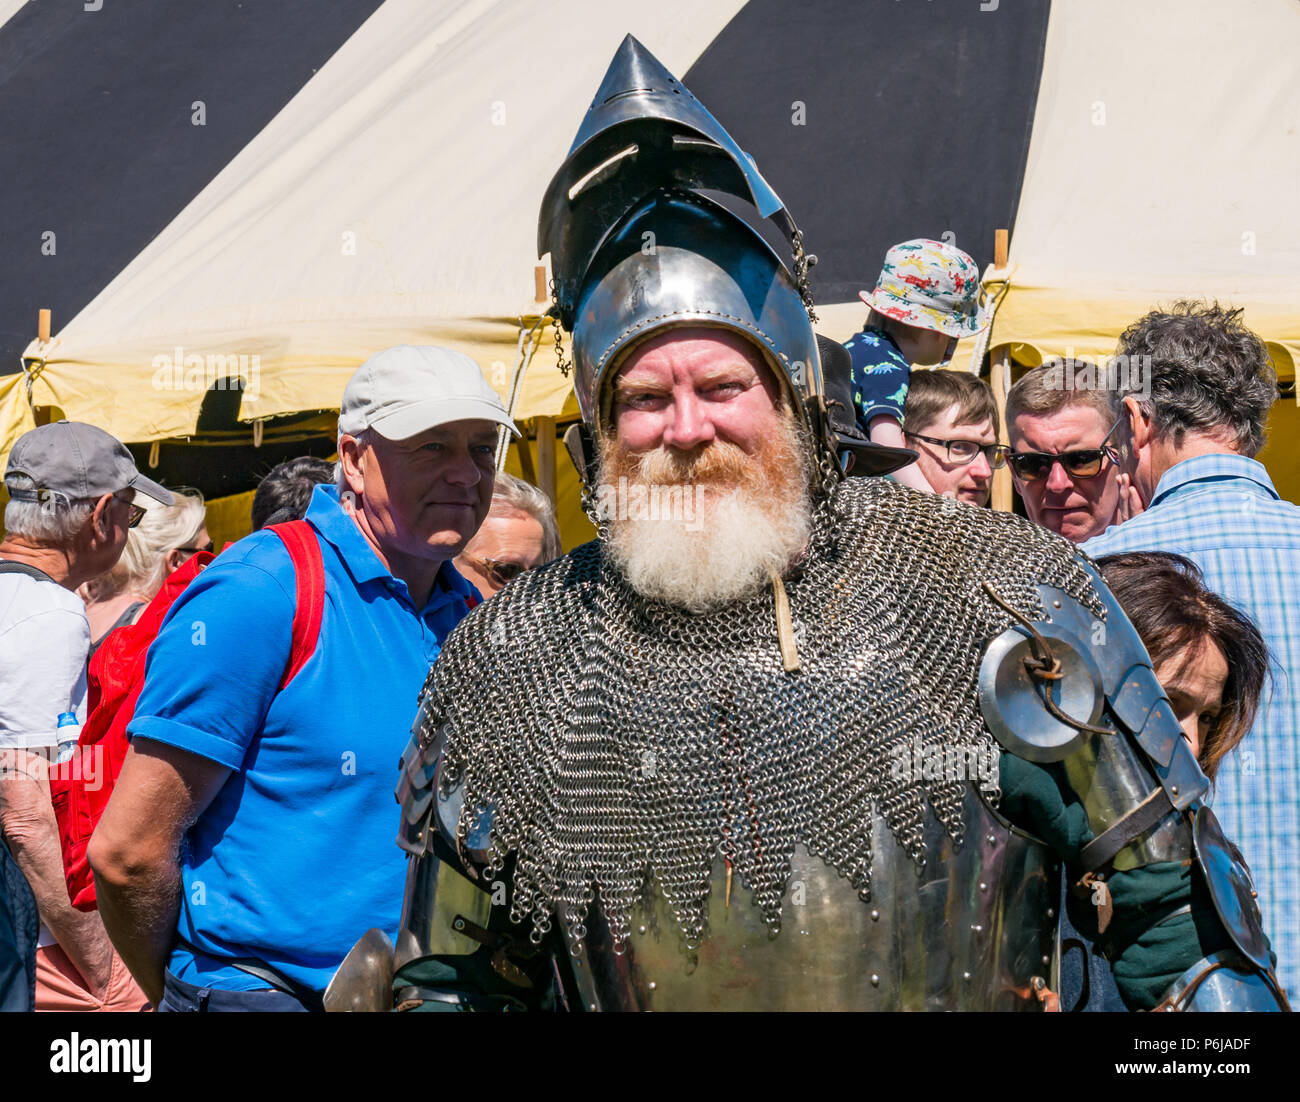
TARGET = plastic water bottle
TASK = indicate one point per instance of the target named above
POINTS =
(69, 735)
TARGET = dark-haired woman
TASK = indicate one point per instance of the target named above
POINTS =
(1208, 655)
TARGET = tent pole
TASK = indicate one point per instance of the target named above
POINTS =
(1000, 374)
(546, 456)
(525, 453)
(43, 326)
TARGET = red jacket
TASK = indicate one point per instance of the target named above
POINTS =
(114, 682)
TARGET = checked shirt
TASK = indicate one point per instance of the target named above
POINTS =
(1223, 513)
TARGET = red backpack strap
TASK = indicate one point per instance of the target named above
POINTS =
(300, 541)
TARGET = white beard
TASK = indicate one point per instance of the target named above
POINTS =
(723, 544)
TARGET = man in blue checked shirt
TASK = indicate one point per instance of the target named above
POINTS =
(1194, 432)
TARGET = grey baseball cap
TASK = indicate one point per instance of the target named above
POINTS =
(76, 461)
(403, 391)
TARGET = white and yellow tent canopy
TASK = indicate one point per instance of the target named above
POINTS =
(1164, 164)
(394, 200)
(1140, 150)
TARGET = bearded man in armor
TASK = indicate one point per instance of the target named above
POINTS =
(788, 734)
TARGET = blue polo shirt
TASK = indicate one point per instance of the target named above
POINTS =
(294, 859)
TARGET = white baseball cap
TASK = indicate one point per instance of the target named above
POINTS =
(403, 391)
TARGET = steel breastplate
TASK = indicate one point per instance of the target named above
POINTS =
(621, 751)
(969, 931)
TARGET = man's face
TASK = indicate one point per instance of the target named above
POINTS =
(1076, 508)
(426, 496)
(699, 433)
(508, 543)
(970, 481)
(692, 387)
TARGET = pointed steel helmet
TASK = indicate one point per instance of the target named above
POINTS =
(635, 249)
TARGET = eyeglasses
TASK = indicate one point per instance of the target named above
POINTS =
(499, 572)
(965, 451)
(194, 550)
(1084, 463)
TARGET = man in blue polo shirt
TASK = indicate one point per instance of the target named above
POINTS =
(277, 800)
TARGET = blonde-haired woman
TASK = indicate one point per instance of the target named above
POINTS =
(166, 537)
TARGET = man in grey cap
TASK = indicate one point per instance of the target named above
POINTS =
(278, 774)
(71, 500)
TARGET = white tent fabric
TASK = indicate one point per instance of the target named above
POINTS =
(1164, 163)
(8, 9)
(393, 200)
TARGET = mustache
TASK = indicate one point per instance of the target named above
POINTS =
(719, 461)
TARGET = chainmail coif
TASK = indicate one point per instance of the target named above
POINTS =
(624, 746)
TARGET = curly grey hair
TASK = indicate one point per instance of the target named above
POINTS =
(1209, 373)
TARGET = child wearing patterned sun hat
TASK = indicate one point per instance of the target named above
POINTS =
(926, 299)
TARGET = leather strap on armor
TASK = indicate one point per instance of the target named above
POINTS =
(1101, 850)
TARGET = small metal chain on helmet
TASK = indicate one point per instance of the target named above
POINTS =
(587, 500)
(829, 476)
(802, 263)
(554, 313)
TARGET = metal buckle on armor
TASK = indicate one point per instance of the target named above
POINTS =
(1014, 694)
(1047, 998)
(503, 945)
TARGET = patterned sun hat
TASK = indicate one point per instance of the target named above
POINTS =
(932, 285)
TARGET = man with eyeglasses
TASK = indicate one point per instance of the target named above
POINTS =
(952, 423)
(1070, 455)
(71, 500)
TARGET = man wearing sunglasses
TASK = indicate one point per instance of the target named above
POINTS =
(1070, 455)
(72, 491)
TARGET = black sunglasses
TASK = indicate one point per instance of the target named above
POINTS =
(1084, 463)
(965, 451)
